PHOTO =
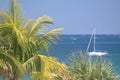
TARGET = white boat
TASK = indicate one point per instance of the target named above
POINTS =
(94, 52)
(97, 53)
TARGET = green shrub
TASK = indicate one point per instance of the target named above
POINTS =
(84, 67)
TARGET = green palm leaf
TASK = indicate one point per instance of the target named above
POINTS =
(10, 64)
(15, 37)
(5, 18)
(3, 65)
(41, 67)
(48, 38)
(15, 13)
(37, 66)
(37, 25)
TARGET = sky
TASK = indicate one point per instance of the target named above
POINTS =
(75, 16)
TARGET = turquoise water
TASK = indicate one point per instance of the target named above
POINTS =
(72, 43)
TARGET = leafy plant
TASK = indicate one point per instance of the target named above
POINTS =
(21, 50)
(84, 67)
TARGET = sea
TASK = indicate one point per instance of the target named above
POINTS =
(69, 44)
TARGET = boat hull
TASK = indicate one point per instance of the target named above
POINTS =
(97, 53)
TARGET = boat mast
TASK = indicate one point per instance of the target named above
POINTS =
(94, 37)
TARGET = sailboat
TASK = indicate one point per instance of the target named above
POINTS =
(94, 52)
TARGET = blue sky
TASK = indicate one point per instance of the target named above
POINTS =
(75, 16)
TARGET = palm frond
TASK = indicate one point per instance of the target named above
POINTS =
(55, 66)
(3, 65)
(17, 41)
(5, 29)
(11, 64)
(15, 12)
(37, 65)
(38, 24)
(5, 18)
(50, 37)
(42, 66)
(28, 26)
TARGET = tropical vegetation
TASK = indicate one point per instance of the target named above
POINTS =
(21, 50)
(84, 67)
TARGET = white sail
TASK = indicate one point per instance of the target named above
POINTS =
(94, 52)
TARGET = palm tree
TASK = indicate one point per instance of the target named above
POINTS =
(21, 45)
